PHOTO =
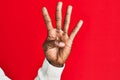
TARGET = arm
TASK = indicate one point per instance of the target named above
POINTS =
(58, 44)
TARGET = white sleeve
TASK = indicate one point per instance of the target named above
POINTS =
(3, 76)
(49, 72)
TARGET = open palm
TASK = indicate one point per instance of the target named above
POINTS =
(58, 44)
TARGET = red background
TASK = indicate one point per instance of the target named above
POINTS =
(96, 50)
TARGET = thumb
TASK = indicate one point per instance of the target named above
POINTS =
(59, 44)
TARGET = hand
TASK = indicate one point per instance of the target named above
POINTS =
(58, 44)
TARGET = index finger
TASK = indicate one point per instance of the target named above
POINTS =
(47, 18)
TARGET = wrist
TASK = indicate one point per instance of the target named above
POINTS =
(56, 64)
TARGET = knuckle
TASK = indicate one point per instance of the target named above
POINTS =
(58, 18)
(67, 13)
(48, 21)
(58, 26)
(66, 22)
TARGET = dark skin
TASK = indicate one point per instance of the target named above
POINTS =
(58, 44)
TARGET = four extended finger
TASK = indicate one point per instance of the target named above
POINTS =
(75, 31)
(67, 19)
(47, 18)
(59, 15)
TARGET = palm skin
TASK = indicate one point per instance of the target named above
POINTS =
(58, 44)
(57, 47)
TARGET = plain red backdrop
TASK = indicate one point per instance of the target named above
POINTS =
(96, 50)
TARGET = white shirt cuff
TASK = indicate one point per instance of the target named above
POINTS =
(48, 71)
